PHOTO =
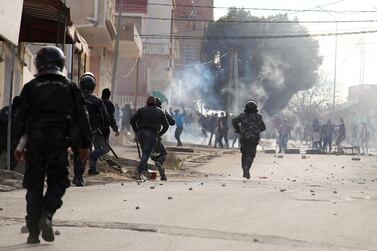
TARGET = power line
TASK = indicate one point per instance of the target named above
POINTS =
(250, 8)
(268, 21)
(258, 37)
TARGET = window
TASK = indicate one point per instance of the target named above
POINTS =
(191, 55)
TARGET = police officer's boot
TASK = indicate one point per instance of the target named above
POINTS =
(161, 170)
(78, 181)
(45, 224)
(34, 231)
(246, 172)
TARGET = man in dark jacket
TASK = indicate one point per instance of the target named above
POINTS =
(50, 105)
(159, 152)
(146, 123)
(251, 127)
(98, 117)
(110, 108)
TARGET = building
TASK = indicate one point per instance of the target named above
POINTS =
(360, 108)
(151, 71)
(191, 20)
(28, 25)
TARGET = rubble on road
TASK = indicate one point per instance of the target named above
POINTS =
(10, 180)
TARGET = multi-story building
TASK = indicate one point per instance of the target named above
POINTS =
(191, 20)
(151, 71)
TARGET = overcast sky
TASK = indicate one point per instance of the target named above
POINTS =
(349, 47)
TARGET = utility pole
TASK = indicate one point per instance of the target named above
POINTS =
(230, 80)
(236, 83)
(171, 64)
(9, 134)
(335, 65)
(137, 82)
(116, 55)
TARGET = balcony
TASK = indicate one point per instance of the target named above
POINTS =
(130, 44)
(95, 20)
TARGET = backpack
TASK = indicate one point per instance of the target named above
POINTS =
(95, 118)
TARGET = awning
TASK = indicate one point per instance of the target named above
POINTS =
(45, 21)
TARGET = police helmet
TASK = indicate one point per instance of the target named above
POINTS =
(49, 60)
(158, 102)
(251, 105)
(87, 82)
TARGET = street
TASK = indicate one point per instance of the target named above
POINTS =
(322, 202)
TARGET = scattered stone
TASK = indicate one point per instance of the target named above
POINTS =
(137, 208)
(57, 232)
(170, 198)
(312, 191)
(356, 159)
(151, 187)
(206, 175)
(124, 200)
(244, 181)
(122, 184)
(229, 175)
(342, 167)
(303, 157)
(256, 240)
(202, 184)
(24, 230)
(335, 192)
(1, 209)
(280, 156)
(283, 190)
(335, 214)
(293, 180)
(161, 184)
(313, 194)
(190, 189)
(223, 185)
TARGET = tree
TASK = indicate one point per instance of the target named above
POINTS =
(270, 70)
(310, 104)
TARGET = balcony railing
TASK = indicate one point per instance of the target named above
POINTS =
(132, 6)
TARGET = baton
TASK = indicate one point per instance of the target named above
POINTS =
(107, 143)
(138, 148)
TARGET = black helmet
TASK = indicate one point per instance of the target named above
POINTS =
(251, 106)
(87, 82)
(50, 60)
(158, 102)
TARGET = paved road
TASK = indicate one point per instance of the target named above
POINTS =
(319, 203)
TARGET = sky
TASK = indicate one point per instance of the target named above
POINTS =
(349, 48)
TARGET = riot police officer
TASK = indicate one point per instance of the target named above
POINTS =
(159, 152)
(98, 117)
(146, 123)
(251, 127)
(49, 105)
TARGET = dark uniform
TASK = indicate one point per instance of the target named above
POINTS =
(146, 123)
(251, 126)
(98, 117)
(110, 108)
(159, 152)
(50, 104)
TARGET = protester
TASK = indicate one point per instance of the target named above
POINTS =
(212, 125)
(179, 122)
(364, 139)
(341, 134)
(284, 135)
(126, 117)
(327, 131)
(316, 134)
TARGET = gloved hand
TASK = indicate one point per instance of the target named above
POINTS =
(84, 154)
